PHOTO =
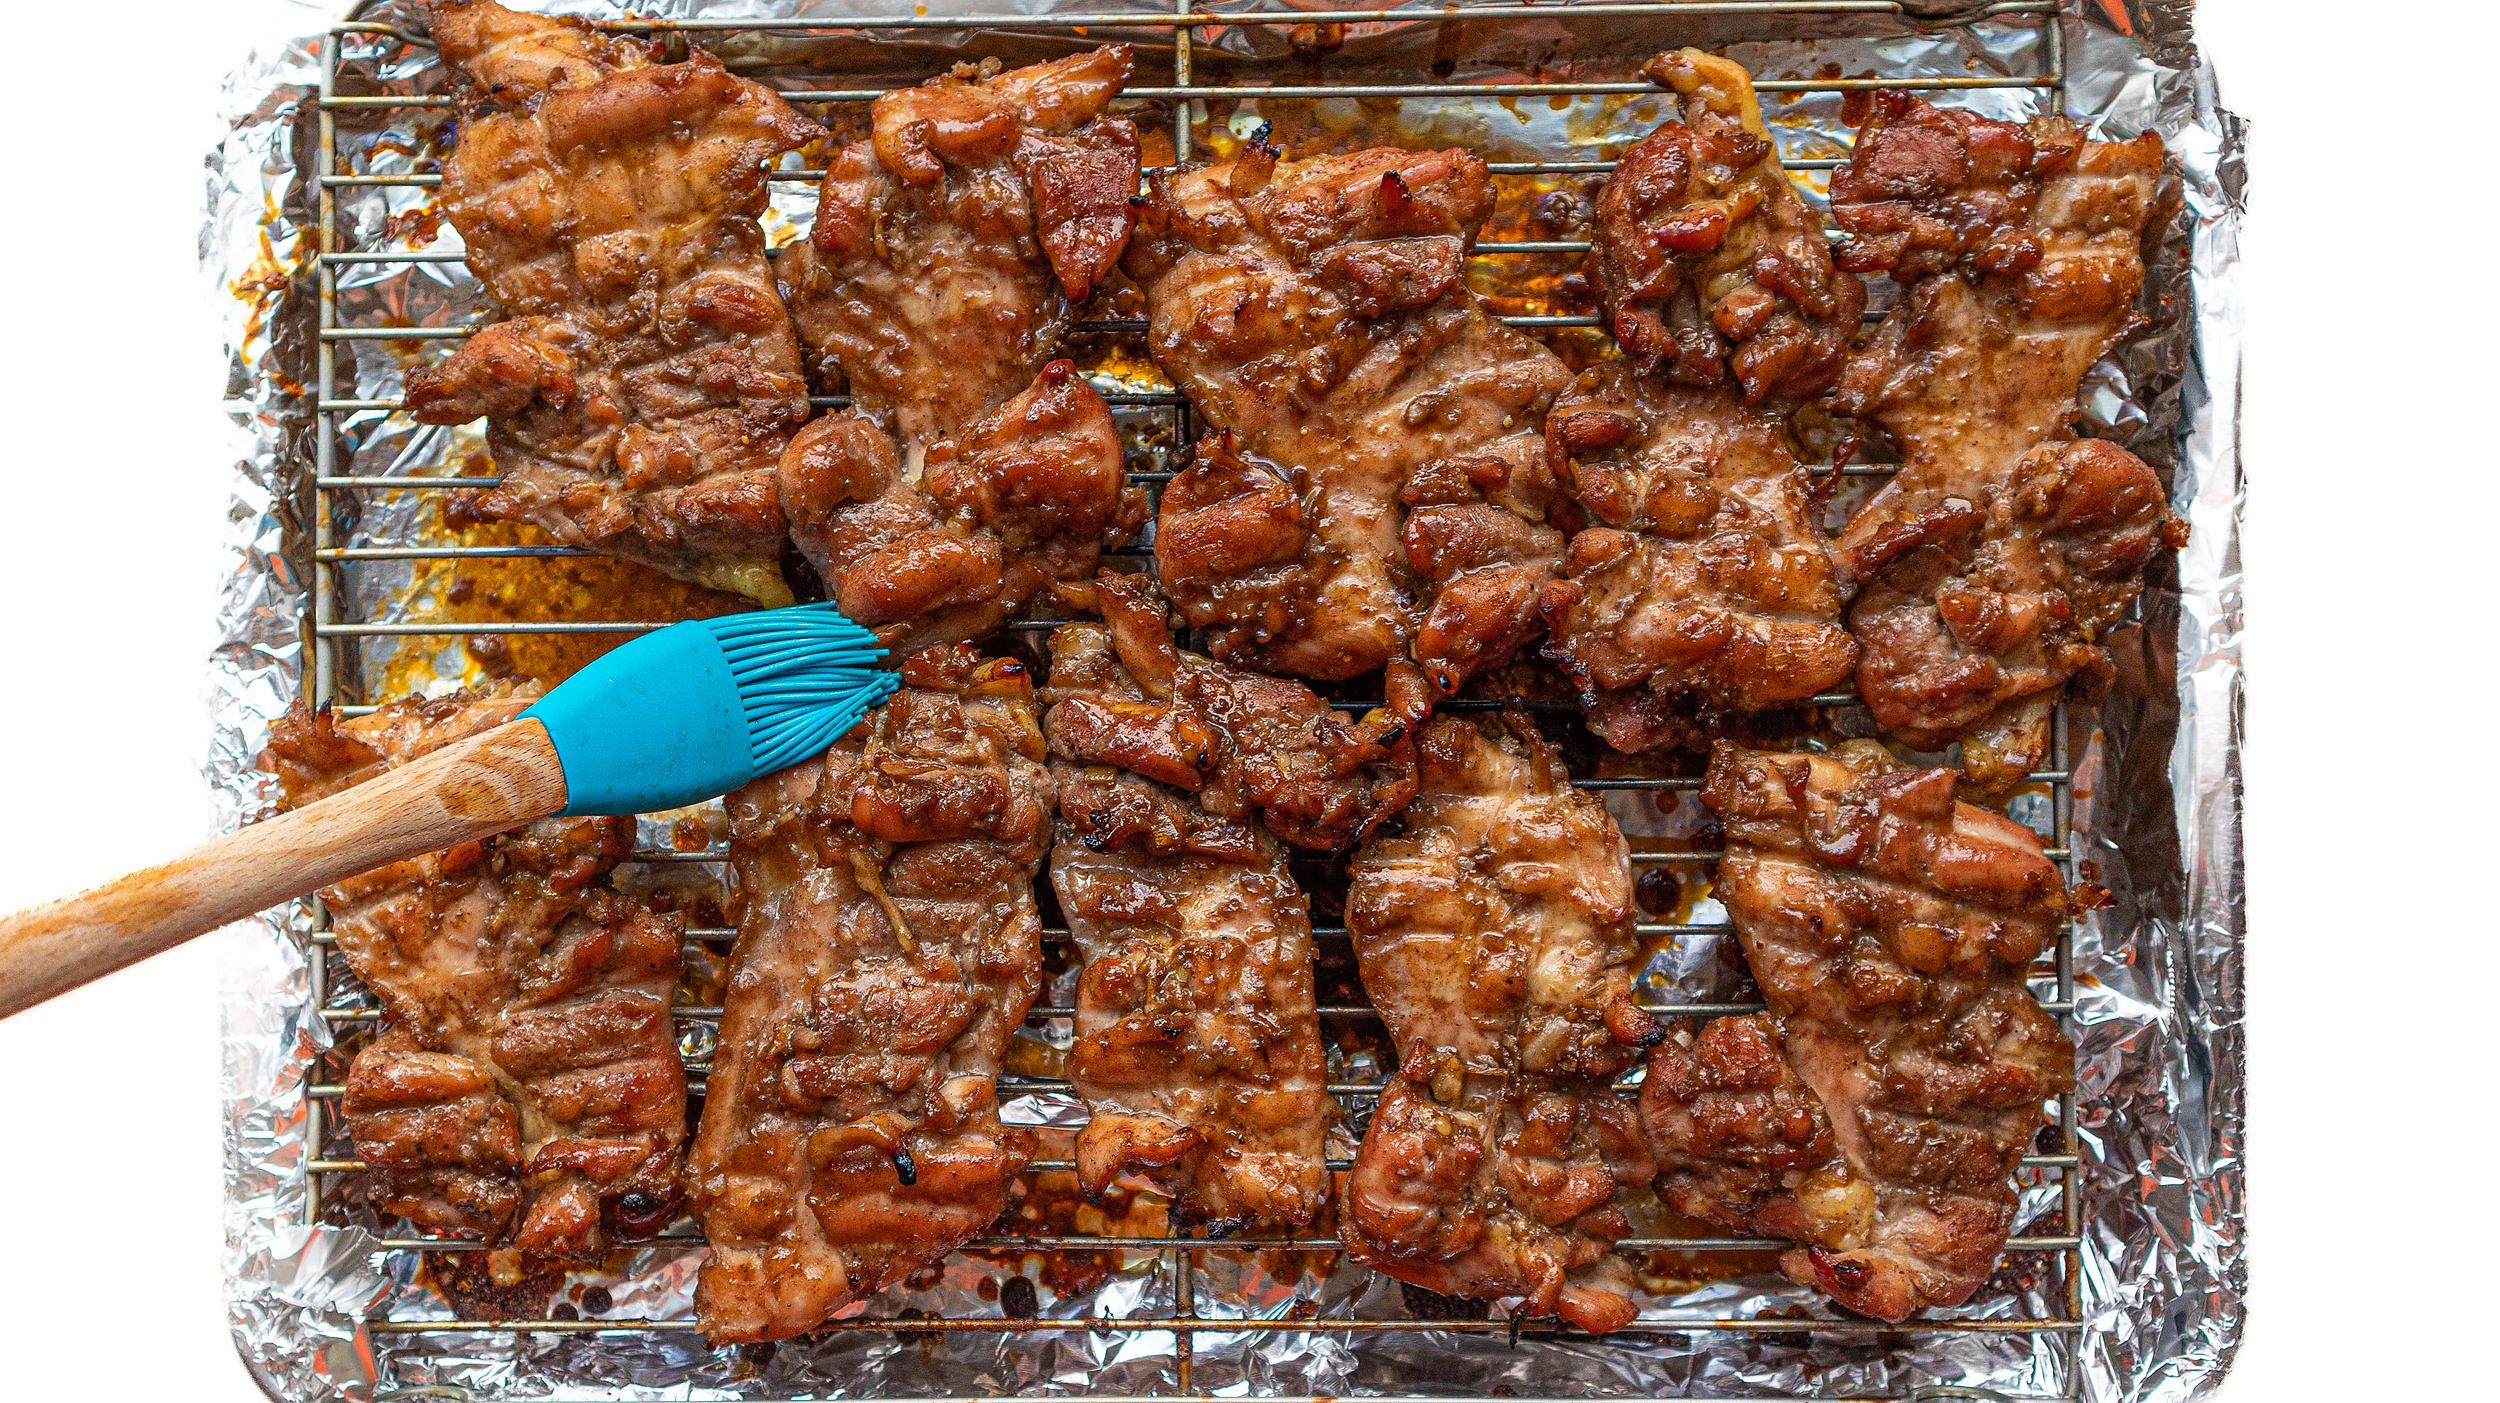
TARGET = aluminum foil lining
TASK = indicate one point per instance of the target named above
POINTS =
(2158, 1018)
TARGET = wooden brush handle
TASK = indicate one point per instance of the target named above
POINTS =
(491, 782)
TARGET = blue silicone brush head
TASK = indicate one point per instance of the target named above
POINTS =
(702, 707)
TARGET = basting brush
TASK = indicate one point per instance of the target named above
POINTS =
(672, 718)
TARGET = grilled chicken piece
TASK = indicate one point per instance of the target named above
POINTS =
(645, 378)
(1978, 614)
(1743, 1143)
(952, 544)
(1710, 267)
(1197, 1036)
(1375, 489)
(1495, 936)
(888, 950)
(1890, 928)
(1246, 745)
(1702, 588)
(950, 252)
(1708, 590)
(1197, 1033)
(525, 1088)
(1988, 569)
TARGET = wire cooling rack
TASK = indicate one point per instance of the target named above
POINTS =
(374, 73)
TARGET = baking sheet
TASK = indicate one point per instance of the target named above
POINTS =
(2156, 789)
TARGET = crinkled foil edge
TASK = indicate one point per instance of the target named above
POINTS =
(2159, 1016)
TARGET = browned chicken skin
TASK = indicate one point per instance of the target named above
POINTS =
(1743, 1143)
(1247, 745)
(1708, 591)
(526, 1087)
(645, 378)
(889, 949)
(1877, 1114)
(1197, 1044)
(1375, 489)
(1710, 266)
(1988, 569)
(1494, 935)
(950, 252)
(1703, 587)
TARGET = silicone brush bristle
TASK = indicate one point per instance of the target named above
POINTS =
(805, 675)
(702, 707)
(792, 733)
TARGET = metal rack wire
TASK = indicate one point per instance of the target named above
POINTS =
(1171, 40)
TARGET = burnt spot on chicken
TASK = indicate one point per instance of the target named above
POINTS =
(645, 378)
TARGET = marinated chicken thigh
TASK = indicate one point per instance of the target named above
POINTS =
(1742, 1142)
(1703, 587)
(1495, 936)
(1712, 270)
(888, 950)
(525, 1088)
(1989, 568)
(644, 380)
(950, 252)
(1246, 744)
(1891, 929)
(1707, 591)
(1375, 489)
(1198, 1046)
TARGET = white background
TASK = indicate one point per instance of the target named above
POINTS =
(2370, 560)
